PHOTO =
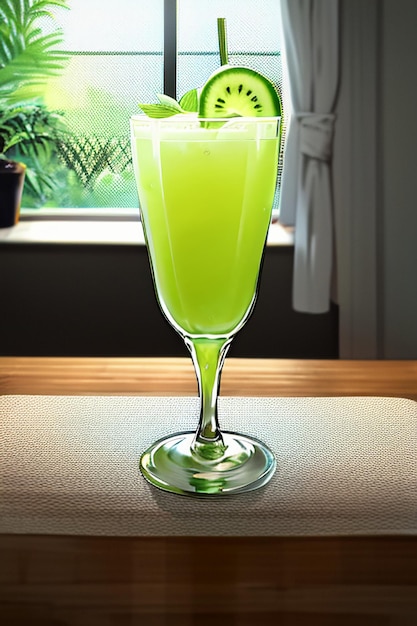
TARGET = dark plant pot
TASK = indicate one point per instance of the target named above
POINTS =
(12, 176)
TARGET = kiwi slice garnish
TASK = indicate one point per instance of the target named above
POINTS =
(238, 91)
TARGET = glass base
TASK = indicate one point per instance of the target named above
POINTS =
(171, 465)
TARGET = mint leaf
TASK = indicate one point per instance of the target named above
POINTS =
(189, 101)
(167, 107)
(169, 102)
(159, 110)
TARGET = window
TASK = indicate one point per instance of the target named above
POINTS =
(115, 60)
(125, 52)
(253, 30)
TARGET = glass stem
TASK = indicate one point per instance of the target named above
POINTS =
(208, 357)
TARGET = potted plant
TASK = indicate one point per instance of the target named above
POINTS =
(28, 57)
(12, 175)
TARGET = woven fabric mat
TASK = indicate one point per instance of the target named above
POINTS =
(69, 465)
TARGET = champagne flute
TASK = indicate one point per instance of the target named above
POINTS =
(206, 190)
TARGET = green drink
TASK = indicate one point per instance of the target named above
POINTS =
(206, 190)
(206, 196)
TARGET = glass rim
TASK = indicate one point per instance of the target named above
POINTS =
(180, 118)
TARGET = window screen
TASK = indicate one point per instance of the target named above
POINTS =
(116, 60)
(253, 32)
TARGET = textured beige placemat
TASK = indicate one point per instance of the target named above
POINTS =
(69, 465)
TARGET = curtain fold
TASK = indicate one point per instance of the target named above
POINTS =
(311, 47)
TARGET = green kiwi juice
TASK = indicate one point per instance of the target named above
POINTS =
(206, 192)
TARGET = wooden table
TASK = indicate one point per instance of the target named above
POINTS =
(51, 581)
(175, 376)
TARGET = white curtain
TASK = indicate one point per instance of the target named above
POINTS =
(311, 48)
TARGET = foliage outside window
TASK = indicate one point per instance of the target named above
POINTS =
(100, 59)
(29, 131)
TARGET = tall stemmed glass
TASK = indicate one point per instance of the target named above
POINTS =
(206, 190)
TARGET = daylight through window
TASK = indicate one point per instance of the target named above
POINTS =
(114, 60)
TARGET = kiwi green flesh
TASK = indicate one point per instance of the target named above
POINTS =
(239, 92)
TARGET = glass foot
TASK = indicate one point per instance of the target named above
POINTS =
(171, 465)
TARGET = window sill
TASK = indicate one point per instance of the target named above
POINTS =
(108, 227)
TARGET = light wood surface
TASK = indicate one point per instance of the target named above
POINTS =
(175, 376)
(337, 581)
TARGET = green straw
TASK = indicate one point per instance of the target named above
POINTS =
(221, 33)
